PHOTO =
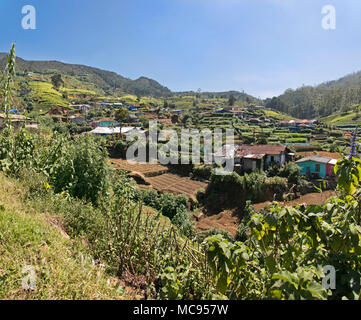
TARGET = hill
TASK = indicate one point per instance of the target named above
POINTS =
(322, 100)
(240, 96)
(107, 81)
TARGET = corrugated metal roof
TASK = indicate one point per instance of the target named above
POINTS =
(254, 156)
(320, 159)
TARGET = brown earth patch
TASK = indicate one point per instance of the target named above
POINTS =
(146, 169)
(226, 220)
(173, 183)
(308, 199)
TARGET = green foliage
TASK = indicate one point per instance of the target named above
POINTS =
(203, 172)
(6, 83)
(169, 204)
(57, 81)
(78, 166)
(349, 173)
(291, 171)
(184, 223)
(121, 115)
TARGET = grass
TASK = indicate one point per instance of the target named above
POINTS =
(278, 115)
(342, 118)
(62, 266)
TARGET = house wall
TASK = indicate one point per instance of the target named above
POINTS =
(249, 164)
(278, 158)
(329, 170)
(312, 165)
(252, 164)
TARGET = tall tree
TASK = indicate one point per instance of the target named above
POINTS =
(121, 115)
(7, 81)
(231, 100)
(57, 80)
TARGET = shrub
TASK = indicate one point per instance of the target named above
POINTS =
(291, 171)
(203, 172)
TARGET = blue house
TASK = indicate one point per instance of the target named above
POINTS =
(317, 166)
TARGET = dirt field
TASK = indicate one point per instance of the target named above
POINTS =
(225, 220)
(173, 183)
(145, 168)
(158, 178)
(310, 198)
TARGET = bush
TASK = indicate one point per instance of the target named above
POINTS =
(184, 223)
(203, 172)
(291, 171)
(78, 166)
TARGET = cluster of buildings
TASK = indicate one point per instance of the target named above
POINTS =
(110, 127)
(260, 157)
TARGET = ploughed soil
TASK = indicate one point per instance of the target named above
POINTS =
(226, 220)
(147, 169)
(309, 198)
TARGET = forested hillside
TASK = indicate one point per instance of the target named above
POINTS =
(320, 101)
(109, 82)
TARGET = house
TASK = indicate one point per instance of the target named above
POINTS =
(225, 153)
(305, 122)
(17, 121)
(82, 108)
(133, 118)
(126, 130)
(269, 154)
(77, 120)
(317, 166)
(252, 162)
(255, 120)
(287, 123)
(107, 122)
(177, 111)
(105, 131)
(252, 157)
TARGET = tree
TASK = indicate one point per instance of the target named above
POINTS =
(121, 115)
(175, 118)
(145, 121)
(57, 81)
(231, 100)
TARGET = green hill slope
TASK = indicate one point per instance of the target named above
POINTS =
(107, 81)
(32, 238)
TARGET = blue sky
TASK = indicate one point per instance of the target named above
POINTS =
(260, 46)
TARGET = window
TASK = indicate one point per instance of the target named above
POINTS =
(318, 169)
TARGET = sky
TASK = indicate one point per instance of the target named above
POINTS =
(262, 47)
